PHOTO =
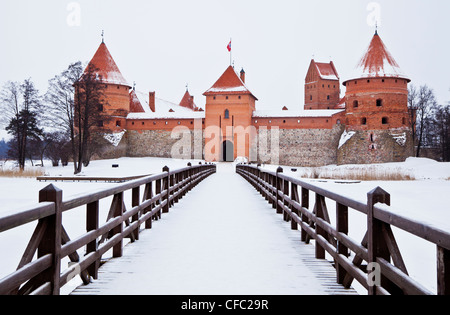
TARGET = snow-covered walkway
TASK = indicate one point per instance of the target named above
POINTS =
(221, 238)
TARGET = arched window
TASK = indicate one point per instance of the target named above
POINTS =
(227, 114)
(364, 121)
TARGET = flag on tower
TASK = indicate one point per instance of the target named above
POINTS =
(229, 46)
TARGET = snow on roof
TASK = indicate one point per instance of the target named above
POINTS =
(296, 113)
(163, 109)
(377, 62)
(229, 82)
(326, 71)
(108, 69)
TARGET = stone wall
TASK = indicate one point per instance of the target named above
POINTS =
(376, 146)
(160, 143)
(300, 147)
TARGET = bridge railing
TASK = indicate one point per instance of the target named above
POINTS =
(385, 271)
(41, 273)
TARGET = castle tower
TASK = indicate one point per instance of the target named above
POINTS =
(322, 88)
(117, 96)
(377, 108)
(228, 118)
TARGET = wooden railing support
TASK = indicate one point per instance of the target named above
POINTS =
(51, 241)
(385, 272)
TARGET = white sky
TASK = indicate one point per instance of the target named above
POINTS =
(164, 44)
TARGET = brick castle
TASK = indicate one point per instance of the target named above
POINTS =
(370, 124)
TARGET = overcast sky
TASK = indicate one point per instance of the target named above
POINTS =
(164, 44)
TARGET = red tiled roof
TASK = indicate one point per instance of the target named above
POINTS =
(188, 101)
(377, 62)
(229, 83)
(108, 69)
(326, 71)
(135, 104)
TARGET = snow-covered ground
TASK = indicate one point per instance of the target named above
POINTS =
(425, 199)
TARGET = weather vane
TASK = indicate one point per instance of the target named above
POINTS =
(103, 36)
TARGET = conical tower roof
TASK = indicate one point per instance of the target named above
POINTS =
(229, 83)
(108, 69)
(377, 62)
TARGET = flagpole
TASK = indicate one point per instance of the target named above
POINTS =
(230, 52)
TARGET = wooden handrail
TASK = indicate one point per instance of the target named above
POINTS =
(42, 275)
(378, 248)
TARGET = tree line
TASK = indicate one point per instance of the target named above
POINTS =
(430, 123)
(60, 124)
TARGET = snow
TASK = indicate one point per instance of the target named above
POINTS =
(346, 135)
(295, 113)
(400, 138)
(163, 110)
(228, 89)
(114, 138)
(425, 199)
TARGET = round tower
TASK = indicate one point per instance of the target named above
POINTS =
(116, 90)
(376, 109)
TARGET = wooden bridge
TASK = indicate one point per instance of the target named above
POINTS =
(234, 246)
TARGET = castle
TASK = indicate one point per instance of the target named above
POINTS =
(370, 124)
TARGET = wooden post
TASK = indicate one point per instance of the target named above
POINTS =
(443, 271)
(118, 212)
(148, 194)
(342, 227)
(166, 186)
(278, 185)
(294, 197)
(376, 245)
(51, 241)
(135, 195)
(320, 251)
(92, 221)
(305, 204)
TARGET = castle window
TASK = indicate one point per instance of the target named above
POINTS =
(371, 137)
(214, 97)
(338, 121)
(227, 113)
(298, 121)
(382, 80)
(310, 97)
(404, 121)
(167, 123)
(100, 123)
(384, 120)
(179, 123)
(239, 97)
(323, 85)
(368, 81)
(328, 97)
(153, 122)
(132, 122)
(355, 104)
(284, 121)
(379, 102)
(118, 123)
(226, 97)
(364, 121)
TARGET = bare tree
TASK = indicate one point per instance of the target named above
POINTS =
(60, 100)
(88, 109)
(421, 102)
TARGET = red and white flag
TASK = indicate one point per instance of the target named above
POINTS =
(229, 46)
